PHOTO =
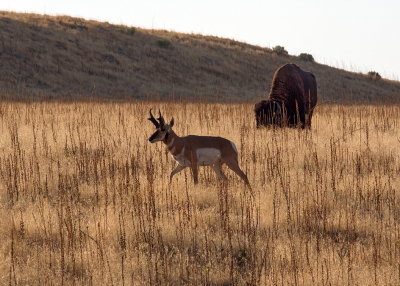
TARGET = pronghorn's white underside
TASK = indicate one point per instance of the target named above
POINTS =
(205, 157)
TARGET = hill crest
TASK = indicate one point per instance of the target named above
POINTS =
(64, 57)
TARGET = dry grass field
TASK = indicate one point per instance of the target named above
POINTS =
(85, 199)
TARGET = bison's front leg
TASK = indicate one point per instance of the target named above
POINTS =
(301, 114)
(309, 119)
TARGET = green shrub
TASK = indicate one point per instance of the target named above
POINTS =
(306, 57)
(130, 30)
(127, 30)
(279, 50)
(163, 43)
(374, 75)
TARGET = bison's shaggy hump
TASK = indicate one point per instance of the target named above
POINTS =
(296, 91)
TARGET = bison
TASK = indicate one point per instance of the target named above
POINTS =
(291, 101)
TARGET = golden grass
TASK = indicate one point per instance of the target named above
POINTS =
(85, 199)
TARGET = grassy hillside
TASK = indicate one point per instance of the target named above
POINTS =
(64, 57)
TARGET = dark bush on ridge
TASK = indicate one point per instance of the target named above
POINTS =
(374, 75)
(306, 57)
(279, 50)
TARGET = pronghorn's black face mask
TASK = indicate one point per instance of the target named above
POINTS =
(162, 128)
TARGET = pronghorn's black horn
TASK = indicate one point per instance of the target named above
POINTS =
(153, 120)
(161, 118)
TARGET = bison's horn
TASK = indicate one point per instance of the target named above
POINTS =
(153, 120)
(278, 108)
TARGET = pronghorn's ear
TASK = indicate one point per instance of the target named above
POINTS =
(171, 123)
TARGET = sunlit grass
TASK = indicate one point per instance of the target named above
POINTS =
(85, 198)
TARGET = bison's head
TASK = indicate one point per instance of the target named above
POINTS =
(268, 113)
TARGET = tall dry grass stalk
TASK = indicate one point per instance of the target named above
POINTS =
(85, 199)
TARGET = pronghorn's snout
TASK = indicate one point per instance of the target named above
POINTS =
(151, 138)
(157, 136)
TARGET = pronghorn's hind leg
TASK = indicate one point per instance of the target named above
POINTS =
(233, 164)
(194, 167)
(217, 167)
(175, 171)
(195, 172)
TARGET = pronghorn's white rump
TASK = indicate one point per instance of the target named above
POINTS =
(234, 147)
(194, 151)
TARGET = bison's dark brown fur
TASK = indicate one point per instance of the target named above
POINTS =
(295, 91)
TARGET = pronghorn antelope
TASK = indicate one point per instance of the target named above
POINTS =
(194, 151)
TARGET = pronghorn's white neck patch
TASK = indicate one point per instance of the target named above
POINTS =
(180, 158)
(207, 156)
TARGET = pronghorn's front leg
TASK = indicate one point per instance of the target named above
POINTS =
(175, 171)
